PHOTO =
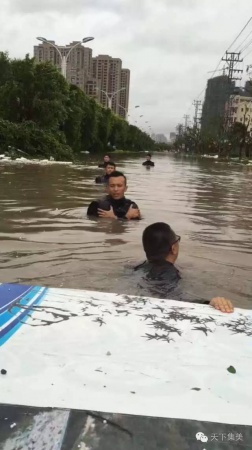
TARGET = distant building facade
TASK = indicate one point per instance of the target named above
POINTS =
(240, 108)
(160, 138)
(91, 74)
(173, 136)
(217, 94)
(124, 94)
(79, 63)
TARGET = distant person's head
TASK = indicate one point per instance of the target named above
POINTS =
(117, 185)
(160, 242)
(106, 158)
(109, 167)
(148, 156)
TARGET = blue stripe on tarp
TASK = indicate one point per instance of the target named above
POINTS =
(11, 292)
(14, 307)
(7, 331)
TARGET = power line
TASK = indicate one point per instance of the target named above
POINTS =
(244, 28)
(232, 59)
(246, 46)
(234, 41)
(247, 54)
(235, 62)
(244, 40)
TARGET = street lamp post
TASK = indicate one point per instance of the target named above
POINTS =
(111, 95)
(64, 58)
(126, 112)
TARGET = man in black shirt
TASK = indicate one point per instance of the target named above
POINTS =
(106, 159)
(108, 169)
(161, 245)
(148, 161)
(115, 205)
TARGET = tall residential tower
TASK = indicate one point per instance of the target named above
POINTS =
(98, 77)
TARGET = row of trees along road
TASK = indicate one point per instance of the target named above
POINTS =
(42, 115)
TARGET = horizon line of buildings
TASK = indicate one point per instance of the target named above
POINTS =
(224, 104)
(97, 76)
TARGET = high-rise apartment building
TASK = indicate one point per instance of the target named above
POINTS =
(79, 62)
(124, 94)
(110, 78)
(99, 77)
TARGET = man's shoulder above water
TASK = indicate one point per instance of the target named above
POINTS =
(101, 179)
(160, 271)
(120, 206)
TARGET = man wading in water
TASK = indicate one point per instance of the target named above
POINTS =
(115, 205)
(108, 169)
(161, 245)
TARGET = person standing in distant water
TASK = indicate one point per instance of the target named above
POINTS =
(108, 169)
(115, 205)
(106, 159)
(161, 246)
(148, 161)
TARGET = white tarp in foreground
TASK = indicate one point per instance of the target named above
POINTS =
(122, 354)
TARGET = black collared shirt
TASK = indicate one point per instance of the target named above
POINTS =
(120, 206)
(148, 163)
(103, 179)
(161, 280)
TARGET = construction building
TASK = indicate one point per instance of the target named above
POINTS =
(217, 94)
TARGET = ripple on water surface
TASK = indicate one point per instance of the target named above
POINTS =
(46, 237)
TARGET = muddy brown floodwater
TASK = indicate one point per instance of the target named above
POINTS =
(46, 238)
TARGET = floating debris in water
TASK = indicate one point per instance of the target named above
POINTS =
(13, 425)
(231, 369)
(108, 354)
(196, 389)
(3, 371)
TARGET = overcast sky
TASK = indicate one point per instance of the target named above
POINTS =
(169, 45)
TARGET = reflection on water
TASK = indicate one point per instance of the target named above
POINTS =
(46, 238)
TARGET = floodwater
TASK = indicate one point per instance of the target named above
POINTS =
(46, 238)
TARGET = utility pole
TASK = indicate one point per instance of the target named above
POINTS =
(179, 129)
(186, 118)
(232, 59)
(197, 104)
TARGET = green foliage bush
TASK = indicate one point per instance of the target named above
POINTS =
(42, 115)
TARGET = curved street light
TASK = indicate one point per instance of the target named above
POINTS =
(64, 58)
(111, 95)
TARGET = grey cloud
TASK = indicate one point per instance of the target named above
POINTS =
(64, 6)
(169, 45)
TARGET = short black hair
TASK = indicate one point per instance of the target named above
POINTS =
(148, 154)
(117, 174)
(158, 239)
(109, 163)
(106, 154)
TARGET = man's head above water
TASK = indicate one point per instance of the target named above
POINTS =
(160, 243)
(106, 158)
(148, 156)
(109, 167)
(117, 185)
